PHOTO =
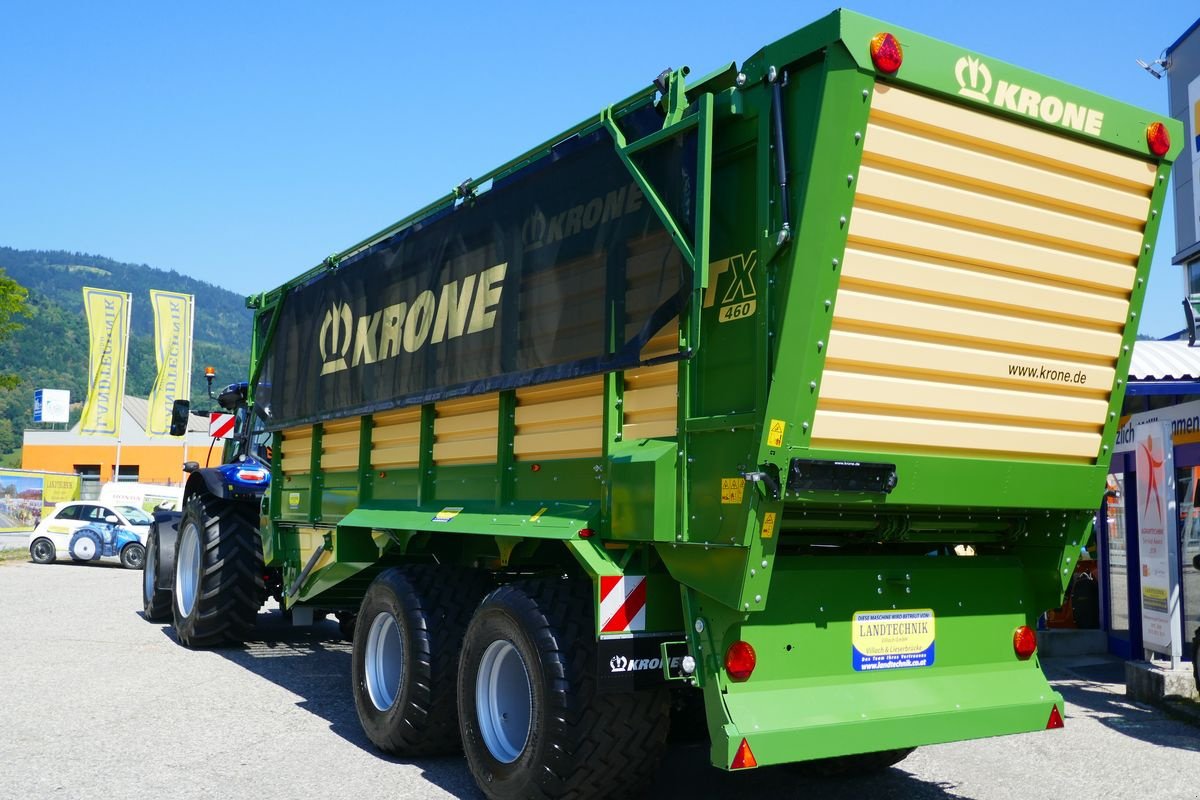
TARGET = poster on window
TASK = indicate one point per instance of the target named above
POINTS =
(1157, 539)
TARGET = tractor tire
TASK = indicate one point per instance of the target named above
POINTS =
(85, 545)
(42, 551)
(218, 583)
(156, 600)
(133, 556)
(1196, 658)
(407, 636)
(859, 764)
(533, 723)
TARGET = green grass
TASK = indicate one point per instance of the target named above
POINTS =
(13, 554)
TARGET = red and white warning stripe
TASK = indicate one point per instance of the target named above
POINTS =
(220, 426)
(622, 603)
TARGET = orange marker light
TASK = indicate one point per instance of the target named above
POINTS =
(886, 53)
(1158, 139)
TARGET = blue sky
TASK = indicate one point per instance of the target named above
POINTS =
(243, 142)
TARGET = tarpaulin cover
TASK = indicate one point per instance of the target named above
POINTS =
(520, 285)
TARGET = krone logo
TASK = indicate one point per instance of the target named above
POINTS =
(334, 340)
(618, 663)
(974, 78)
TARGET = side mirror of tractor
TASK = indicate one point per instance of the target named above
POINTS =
(190, 466)
(179, 417)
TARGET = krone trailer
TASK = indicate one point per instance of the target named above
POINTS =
(784, 396)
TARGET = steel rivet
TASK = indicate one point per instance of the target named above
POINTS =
(699, 625)
(842, 221)
(866, 93)
(812, 384)
(835, 262)
(741, 79)
(764, 563)
(857, 136)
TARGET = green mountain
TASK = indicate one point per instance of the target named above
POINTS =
(51, 351)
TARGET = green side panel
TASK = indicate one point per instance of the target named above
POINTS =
(642, 491)
(294, 498)
(557, 479)
(465, 483)
(339, 495)
(397, 484)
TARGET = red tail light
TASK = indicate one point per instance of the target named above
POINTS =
(740, 661)
(1024, 642)
(1056, 720)
(886, 53)
(743, 759)
(1158, 139)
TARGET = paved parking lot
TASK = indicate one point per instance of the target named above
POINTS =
(99, 703)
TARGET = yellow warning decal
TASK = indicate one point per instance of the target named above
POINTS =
(293, 500)
(731, 490)
(540, 511)
(447, 514)
(768, 528)
(775, 435)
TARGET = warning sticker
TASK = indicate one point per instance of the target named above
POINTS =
(768, 528)
(622, 603)
(293, 500)
(775, 434)
(892, 639)
(447, 514)
(731, 490)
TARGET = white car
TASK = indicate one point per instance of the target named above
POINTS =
(116, 531)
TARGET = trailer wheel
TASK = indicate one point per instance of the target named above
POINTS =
(218, 572)
(856, 764)
(156, 601)
(407, 636)
(533, 724)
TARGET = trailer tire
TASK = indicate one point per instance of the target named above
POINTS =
(407, 636)
(156, 600)
(533, 723)
(861, 763)
(218, 583)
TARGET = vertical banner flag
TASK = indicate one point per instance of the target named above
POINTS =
(173, 355)
(1158, 538)
(108, 328)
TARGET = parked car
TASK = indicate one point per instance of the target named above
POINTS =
(88, 531)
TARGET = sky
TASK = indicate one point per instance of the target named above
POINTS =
(241, 143)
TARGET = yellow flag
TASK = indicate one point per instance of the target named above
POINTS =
(108, 327)
(173, 355)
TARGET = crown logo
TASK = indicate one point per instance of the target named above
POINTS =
(974, 78)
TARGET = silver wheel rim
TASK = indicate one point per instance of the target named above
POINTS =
(135, 555)
(187, 569)
(503, 701)
(85, 548)
(149, 577)
(41, 550)
(384, 660)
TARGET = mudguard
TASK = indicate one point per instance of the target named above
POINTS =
(166, 523)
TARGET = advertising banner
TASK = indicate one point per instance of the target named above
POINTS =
(173, 355)
(1192, 126)
(1157, 539)
(561, 269)
(51, 405)
(108, 328)
(26, 496)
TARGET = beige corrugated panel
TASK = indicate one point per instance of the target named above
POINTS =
(295, 456)
(465, 430)
(339, 445)
(396, 439)
(560, 420)
(650, 402)
(984, 287)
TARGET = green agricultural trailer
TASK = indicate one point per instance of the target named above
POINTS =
(785, 395)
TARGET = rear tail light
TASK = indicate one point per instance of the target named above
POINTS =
(740, 661)
(1158, 139)
(1024, 642)
(886, 53)
(1056, 720)
(743, 759)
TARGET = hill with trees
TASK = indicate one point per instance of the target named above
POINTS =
(51, 350)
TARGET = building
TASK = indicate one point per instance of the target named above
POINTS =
(142, 458)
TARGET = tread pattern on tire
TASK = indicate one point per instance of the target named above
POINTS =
(601, 745)
(157, 606)
(231, 576)
(440, 601)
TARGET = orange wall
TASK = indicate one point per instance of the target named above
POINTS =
(156, 463)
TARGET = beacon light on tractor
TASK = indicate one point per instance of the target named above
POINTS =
(786, 393)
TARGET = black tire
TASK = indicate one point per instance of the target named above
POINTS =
(578, 743)
(42, 551)
(407, 703)
(1085, 602)
(133, 556)
(156, 601)
(85, 545)
(1196, 658)
(860, 764)
(346, 624)
(218, 582)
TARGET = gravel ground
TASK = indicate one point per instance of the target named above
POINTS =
(99, 703)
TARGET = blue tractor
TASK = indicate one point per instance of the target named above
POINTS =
(204, 566)
(97, 540)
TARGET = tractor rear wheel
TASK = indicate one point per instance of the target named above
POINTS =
(533, 723)
(218, 572)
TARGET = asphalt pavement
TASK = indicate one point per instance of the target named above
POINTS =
(99, 703)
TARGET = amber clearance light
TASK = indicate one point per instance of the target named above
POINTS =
(886, 53)
(1158, 139)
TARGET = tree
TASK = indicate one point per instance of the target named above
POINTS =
(13, 297)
